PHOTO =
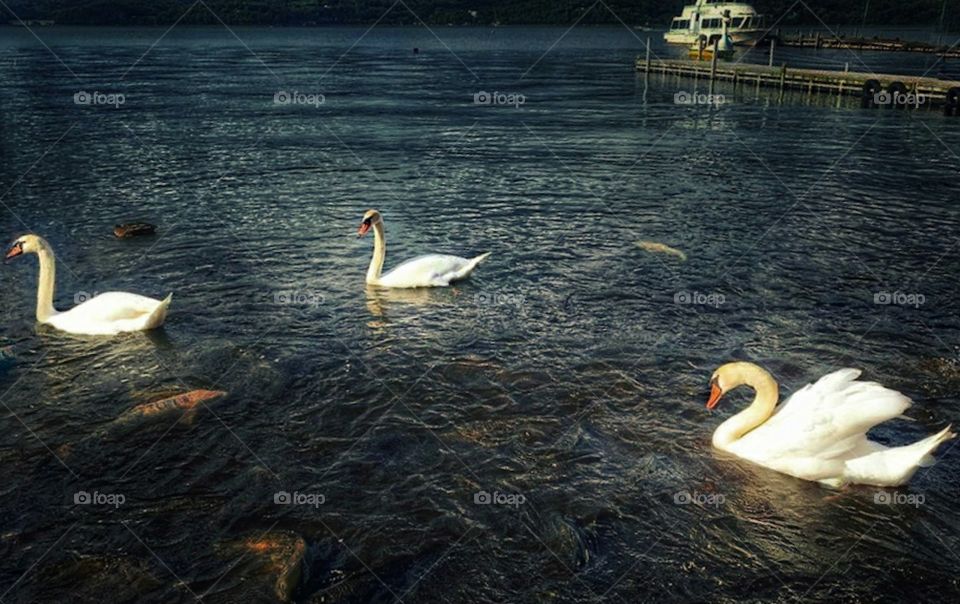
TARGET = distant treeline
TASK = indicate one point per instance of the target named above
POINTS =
(653, 13)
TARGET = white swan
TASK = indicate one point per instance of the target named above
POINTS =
(820, 432)
(107, 314)
(432, 270)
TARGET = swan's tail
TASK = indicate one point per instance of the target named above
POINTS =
(479, 259)
(468, 268)
(930, 444)
(474, 263)
(896, 465)
(159, 314)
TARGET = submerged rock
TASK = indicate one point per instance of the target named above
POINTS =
(89, 577)
(133, 229)
(344, 587)
(7, 357)
(181, 402)
(185, 403)
(661, 248)
(275, 555)
(945, 372)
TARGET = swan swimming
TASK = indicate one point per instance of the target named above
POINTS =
(109, 313)
(432, 270)
(820, 432)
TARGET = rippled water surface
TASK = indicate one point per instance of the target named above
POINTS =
(568, 375)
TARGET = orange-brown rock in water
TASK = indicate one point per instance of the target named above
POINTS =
(180, 402)
(277, 555)
(133, 229)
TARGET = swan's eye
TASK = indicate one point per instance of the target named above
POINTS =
(366, 221)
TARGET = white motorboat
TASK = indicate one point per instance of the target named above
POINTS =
(705, 18)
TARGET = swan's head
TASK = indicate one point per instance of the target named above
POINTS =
(370, 218)
(733, 375)
(28, 244)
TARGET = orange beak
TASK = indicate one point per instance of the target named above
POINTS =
(14, 251)
(715, 394)
(364, 227)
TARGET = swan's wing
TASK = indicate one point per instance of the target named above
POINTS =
(113, 306)
(112, 313)
(426, 271)
(827, 420)
(893, 466)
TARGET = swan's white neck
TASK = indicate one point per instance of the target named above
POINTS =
(379, 254)
(758, 412)
(46, 284)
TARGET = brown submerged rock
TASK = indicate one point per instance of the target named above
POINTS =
(661, 248)
(89, 577)
(184, 404)
(181, 402)
(133, 229)
(277, 555)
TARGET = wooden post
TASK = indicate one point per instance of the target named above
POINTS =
(648, 55)
(783, 79)
(773, 44)
(818, 41)
(713, 61)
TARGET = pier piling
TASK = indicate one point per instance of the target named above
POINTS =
(713, 61)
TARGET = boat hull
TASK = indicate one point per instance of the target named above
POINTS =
(685, 37)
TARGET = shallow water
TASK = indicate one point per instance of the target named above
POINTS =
(569, 370)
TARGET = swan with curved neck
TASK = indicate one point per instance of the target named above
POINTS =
(820, 432)
(107, 314)
(432, 270)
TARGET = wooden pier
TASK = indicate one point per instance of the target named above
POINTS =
(816, 40)
(899, 90)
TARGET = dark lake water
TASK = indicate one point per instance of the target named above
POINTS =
(568, 376)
